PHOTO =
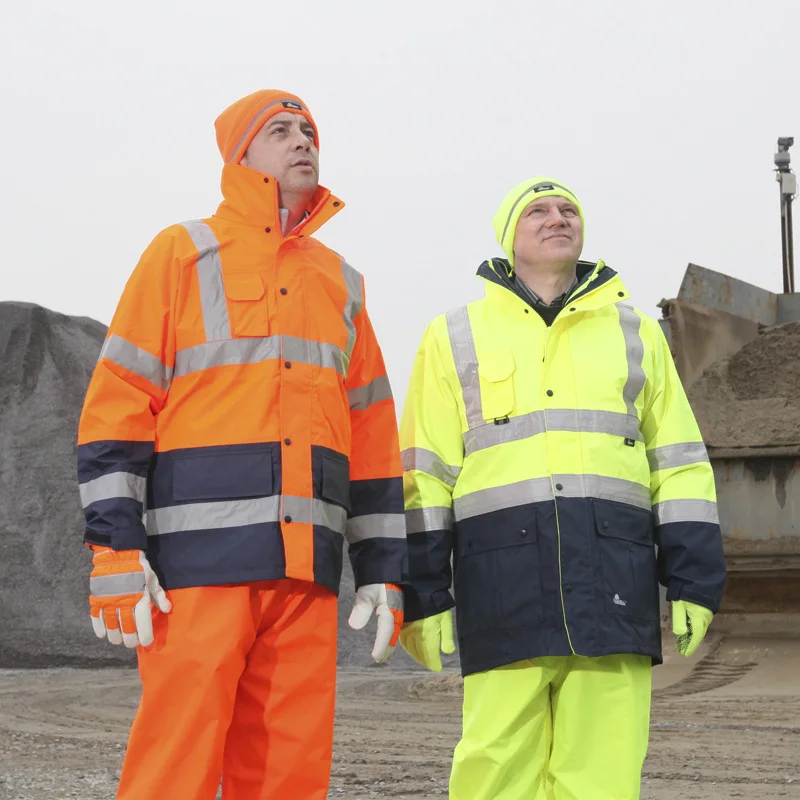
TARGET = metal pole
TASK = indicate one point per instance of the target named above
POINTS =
(787, 182)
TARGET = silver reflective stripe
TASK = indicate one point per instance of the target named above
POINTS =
(533, 188)
(376, 526)
(111, 486)
(431, 518)
(113, 585)
(236, 352)
(631, 323)
(677, 455)
(295, 106)
(310, 511)
(375, 391)
(226, 353)
(686, 511)
(422, 460)
(394, 599)
(137, 361)
(603, 488)
(355, 302)
(496, 498)
(209, 275)
(320, 354)
(466, 361)
(570, 420)
(210, 516)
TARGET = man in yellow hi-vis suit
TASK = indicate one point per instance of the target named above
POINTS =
(550, 449)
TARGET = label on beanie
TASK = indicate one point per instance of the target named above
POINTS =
(292, 104)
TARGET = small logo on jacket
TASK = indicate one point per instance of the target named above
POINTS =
(619, 602)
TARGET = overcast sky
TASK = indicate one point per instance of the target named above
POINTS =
(663, 121)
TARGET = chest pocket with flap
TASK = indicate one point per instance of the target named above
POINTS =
(247, 304)
(496, 373)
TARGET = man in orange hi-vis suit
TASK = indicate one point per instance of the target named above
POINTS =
(238, 428)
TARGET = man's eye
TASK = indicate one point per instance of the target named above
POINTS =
(310, 134)
(279, 129)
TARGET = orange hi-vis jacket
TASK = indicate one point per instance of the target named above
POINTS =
(239, 424)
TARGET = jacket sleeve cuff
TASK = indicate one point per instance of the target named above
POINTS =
(681, 591)
(134, 538)
(419, 606)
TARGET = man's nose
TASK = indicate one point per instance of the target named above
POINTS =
(300, 140)
(555, 219)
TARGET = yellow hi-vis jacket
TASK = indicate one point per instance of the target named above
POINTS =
(551, 462)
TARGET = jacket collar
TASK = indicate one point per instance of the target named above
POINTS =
(599, 284)
(252, 199)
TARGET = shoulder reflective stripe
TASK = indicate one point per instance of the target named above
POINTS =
(432, 518)
(226, 353)
(295, 105)
(113, 485)
(376, 526)
(524, 195)
(686, 511)
(137, 361)
(570, 420)
(209, 275)
(375, 391)
(355, 302)
(310, 511)
(466, 360)
(422, 460)
(209, 516)
(496, 498)
(394, 599)
(256, 350)
(677, 455)
(604, 488)
(320, 354)
(113, 585)
(631, 324)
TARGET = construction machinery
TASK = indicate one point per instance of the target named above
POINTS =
(737, 350)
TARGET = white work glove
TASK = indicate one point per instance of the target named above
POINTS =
(124, 589)
(386, 600)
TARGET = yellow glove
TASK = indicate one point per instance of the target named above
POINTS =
(424, 638)
(689, 623)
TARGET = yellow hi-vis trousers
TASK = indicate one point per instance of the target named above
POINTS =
(560, 728)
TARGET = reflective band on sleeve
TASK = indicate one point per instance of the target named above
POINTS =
(686, 511)
(422, 460)
(209, 275)
(394, 599)
(137, 361)
(376, 526)
(374, 392)
(677, 455)
(431, 518)
(113, 485)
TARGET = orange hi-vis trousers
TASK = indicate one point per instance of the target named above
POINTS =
(239, 684)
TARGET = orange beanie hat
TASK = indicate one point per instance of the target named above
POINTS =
(238, 124)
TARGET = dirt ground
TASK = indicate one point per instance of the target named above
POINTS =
(726, 725)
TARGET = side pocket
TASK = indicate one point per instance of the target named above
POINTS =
(222, 476)
(496, 373)
(335, 486)
(247, 304)
(625, 537)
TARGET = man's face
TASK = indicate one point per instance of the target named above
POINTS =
(549, 229)
(284, 148)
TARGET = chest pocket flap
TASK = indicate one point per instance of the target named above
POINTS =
(247, 304)
(496, 372)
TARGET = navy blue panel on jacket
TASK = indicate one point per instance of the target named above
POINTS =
(514, 601)
(379, 559)
(689, 566)
(429, 563)
(114, 521)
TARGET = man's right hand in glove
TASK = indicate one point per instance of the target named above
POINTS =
(424, 638)
(123, 590)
